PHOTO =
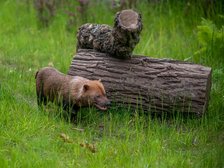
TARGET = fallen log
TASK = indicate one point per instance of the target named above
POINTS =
(154, 85)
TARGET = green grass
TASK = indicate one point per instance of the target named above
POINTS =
(30, 137)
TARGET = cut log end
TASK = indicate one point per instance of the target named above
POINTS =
(128, 19)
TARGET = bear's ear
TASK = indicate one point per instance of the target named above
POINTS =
(85, 87)
(99, 80)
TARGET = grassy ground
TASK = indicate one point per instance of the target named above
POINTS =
(30, 137)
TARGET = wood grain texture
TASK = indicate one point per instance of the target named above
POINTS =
(154, 85)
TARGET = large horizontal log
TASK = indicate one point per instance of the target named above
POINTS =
(155, 85)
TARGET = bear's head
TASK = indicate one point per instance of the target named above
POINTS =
(93, 93)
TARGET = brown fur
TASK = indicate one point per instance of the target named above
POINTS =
(51, 85)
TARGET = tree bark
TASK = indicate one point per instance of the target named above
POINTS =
(118, 41)
(154, 85)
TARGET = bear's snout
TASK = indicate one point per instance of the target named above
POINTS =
(108, 103)
(102, 102)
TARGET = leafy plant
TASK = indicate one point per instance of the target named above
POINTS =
(211, 40)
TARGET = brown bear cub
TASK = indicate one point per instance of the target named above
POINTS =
(69, 91)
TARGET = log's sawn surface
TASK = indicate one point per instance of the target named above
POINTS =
(155, 85)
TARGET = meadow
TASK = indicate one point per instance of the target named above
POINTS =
(31, 137)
